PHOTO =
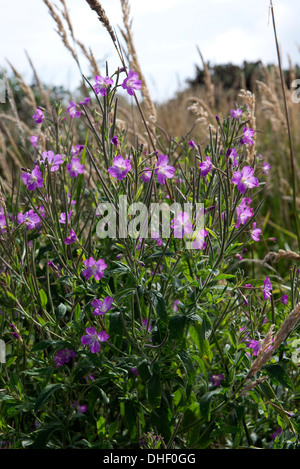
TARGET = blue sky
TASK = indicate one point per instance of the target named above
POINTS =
(166, 33)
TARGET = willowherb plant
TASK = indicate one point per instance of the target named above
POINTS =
(127, 317)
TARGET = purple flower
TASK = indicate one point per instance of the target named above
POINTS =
(134, 371)
(38, 116)
(93, 339)
(146, 175)
(15, 332)
(77, 150)
(255, 345)
(205, 167)
(72, 110)
(199, 242)
(103, 306)
(255, 232)
(181, 225)
(163, 169)
(192, 144)
(34, 140)
(94, 268)
(75, 167)
(267, 168)
(231, 154)
(267, 292)
(102, 84)
(120, 167)
(81, 409)
(247, 136)
(132, 83)
(115, 140)
(146, 325)
(244, 212)
(284, 299)
(63, 356)
(236, 113)
(85, 102)
(30, 218)
(62, 218)
(72, 238)
(53, 160)
(277, 432)
(245, 179)
(33, 179)
(175, 305)
(216, 379)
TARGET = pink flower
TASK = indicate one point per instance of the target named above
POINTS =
(245, 180)
(205, 167)
(247, 136)
(284, 299)
(146, 175)
(114, 140)
(236, 113)
(94, 338)
(30, 218)
(63, 218)
(267, 168)
(132, 83)
(120, 167)
(163, 169)
(38, 116)
(85, 102)
(244, 212)
(94, 268)
(72, 110)
(216, 379)
(199, 242)
(102, 84)
(255, 232)
(33, 179)
(63, 356)
(267, 292)
(181, 225)
(34, 140)
(54, 161)
(75, 167)
(72, 238)
(231, 154)
(103, 306)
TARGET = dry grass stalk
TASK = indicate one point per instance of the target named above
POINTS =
(271, 107)
(249, 99)
(29, 96)
(14, 108)
(202, 116)
(269, 347)
(61, 30)
(45, 95)
(281, 254)
(253, 385)
(90, 57)
(95, 5)
(210, 88)
(135, 65)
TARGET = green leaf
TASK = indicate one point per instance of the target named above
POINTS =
(205, 403)
(159, 305)
(44, 436)
(276, 371)
(43, 298)
(154, 390)
(45, 395)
